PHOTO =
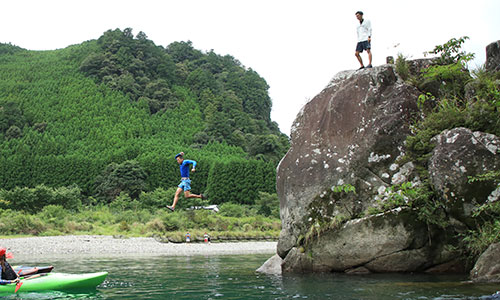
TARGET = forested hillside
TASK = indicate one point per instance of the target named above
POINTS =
(107, 116)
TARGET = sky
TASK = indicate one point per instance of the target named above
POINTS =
(296, 46)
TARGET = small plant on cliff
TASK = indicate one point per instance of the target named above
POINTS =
(487, 216)
(430, 207)
(487, 230)
(398, 195)
(451, 68)
(324, 211)
(478, 240)
(451, 52)
(418, 196)
(423, 99)
(488, 176)
(345, 188)
(487, 86)
(402, 67)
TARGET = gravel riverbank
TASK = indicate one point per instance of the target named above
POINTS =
(109, 246)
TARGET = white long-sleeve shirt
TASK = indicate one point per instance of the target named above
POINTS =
(364, 30)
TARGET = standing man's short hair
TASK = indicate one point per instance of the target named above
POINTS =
(359, 12)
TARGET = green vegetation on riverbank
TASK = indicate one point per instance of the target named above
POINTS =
(131, 218)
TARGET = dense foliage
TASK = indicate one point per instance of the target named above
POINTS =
(459, 99)
(107, 116)
(56, 211)
(233, 101)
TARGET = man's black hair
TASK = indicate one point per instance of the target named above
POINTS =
(359, 12)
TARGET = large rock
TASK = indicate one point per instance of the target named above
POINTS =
(394, 241)
(416, 66)
(351, 133)
(493, 57)
(272, 266)
(368, 240)
(459, 154)
(428, 85)
(487, 267)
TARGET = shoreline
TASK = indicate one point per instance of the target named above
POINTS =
(97, 245)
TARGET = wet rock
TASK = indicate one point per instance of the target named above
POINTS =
(411, 260)
(358, 271)
(272, 266)
(487, 267)
(388, 242)
(455, 266)
(296, 262)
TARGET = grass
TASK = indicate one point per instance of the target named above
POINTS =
(103, 220)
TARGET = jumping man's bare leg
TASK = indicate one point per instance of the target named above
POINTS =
(188, 194)
(176, 197)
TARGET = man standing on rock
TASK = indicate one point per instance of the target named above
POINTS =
(185, 184)
(364, 39)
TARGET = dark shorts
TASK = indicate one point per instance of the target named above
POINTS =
(365, 45)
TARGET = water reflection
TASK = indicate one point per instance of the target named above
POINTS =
(234, 277)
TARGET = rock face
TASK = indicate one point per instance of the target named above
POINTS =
(345, 148)
(460, 153)
(351, 133)
(388, 242)
(416, 66)
(487, 268)
(272, 266)
(493, 57)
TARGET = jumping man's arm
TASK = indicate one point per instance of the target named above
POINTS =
(191, 162)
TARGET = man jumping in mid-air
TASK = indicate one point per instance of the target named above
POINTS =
(185, 184)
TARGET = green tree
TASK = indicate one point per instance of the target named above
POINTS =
(13, 132)
(11, 115)
(183, 51)
(126, 177)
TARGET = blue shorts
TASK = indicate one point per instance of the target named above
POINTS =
(185, 184)
(365, 45)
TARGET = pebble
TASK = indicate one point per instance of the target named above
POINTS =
(96, 245)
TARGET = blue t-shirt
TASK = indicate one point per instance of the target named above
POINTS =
(185, 167)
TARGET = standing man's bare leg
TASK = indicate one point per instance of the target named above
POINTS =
(359, 59)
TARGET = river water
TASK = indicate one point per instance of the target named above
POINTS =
(234, 277)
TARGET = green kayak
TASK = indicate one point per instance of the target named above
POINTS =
(56, 281)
